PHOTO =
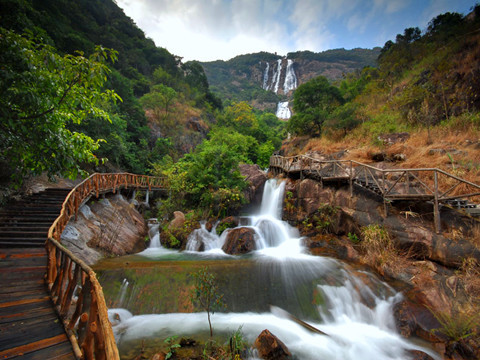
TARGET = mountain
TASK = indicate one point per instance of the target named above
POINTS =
(264, 79)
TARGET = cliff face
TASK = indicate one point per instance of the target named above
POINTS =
(265, 79)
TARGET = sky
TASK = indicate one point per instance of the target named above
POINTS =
(208, 30)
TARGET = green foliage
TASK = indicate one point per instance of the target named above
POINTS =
(223, 226)
(377, 245)
(313, 102)
(289, 202)
(344, 118)
(237, 343)
(208, 179)
(206, 293)
(264, 152)
(322, 219)
(171, 346)
(353, 238)
(176, 237)
(42, 93)
(458, 326)
(383, 123)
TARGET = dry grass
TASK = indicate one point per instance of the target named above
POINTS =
(454, 148)
(379, 251)
(470, 275)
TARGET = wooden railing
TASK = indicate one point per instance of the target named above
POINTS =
(429, 184)
(74, 288)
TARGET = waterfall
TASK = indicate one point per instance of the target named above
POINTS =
(283, 111)
(276, 76)
(272, 198)
(290, 78)
(154, 236)
(122, 293)
(353, 307)
(265, 77)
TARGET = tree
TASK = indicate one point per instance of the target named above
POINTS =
(159, 98)
(313, 101)
(343, 118)
(206, 294)
(41, 94)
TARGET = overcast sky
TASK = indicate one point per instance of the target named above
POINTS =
(208, 30)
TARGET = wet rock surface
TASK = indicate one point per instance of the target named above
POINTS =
(426, 269)
(270, 347)
(256, 179)
(239, 241)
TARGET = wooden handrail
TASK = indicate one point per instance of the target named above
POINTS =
(73, 286)
(427, 180)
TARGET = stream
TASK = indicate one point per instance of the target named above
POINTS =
(148, 294)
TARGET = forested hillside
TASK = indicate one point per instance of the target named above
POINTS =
(241, 78)
(140, 66)
(84, 90)
(426, 84)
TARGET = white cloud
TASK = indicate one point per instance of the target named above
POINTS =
(221, 29)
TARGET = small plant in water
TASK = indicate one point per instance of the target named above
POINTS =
(237, 344)
(171, 346)
(205, 293)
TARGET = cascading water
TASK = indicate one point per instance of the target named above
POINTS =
(290, 78)
(283, 111)
(265, 77)
(354, 308)
(123, 292)
(276, 76)
(154, 236)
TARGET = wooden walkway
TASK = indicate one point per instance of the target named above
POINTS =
(423, 184)
(29, 325)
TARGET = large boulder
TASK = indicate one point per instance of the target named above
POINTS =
(270, 347)
(178, 221)
(256, 179)
(110, 226)
(240, 241)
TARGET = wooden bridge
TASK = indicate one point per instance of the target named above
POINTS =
(423, 184)
(67, 318)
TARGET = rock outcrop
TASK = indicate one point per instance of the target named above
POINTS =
(427, 264)
(110, 226)
(239, 241)
(270, 347)
(256, 179)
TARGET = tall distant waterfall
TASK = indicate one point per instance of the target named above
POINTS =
(265, 77)
(272, 82)
(290, 78)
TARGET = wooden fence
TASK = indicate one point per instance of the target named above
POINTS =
(422, 184)
(74, 288)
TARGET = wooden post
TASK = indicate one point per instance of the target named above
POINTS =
(385, 205)
(408, 182)
(436, 210)
(351, 179)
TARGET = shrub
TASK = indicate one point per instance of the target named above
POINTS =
(377, 245)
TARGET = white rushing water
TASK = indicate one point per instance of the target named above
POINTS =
(355, 313)
(283, 111)
(276, 76)
(265, 85)
(290, 78)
